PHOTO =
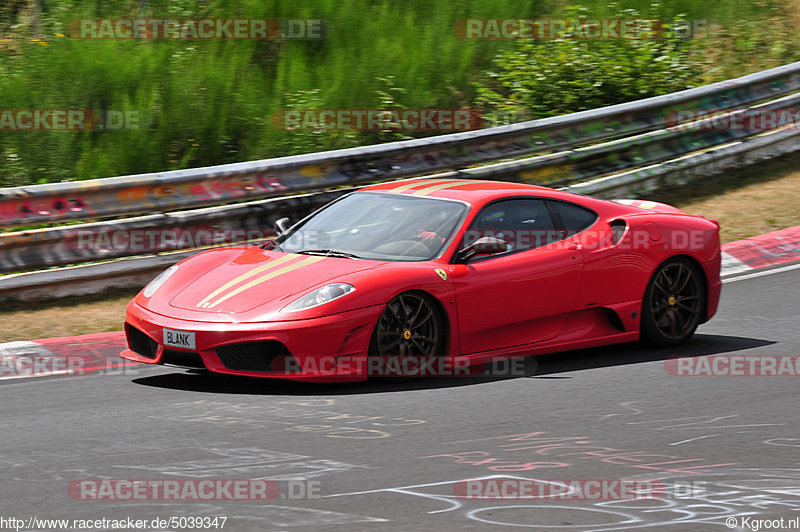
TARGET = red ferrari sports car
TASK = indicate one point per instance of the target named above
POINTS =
(456, 271)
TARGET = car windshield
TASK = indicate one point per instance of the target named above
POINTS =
(377, 226)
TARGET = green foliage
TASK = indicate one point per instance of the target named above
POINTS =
(198, 103)
(318, 138)
(211, 102)
(541, 78)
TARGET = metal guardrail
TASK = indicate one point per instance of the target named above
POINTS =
(72, 244)
(164, 191)
(137, 271)
(627, 149)
(685, 169)
(574, 166)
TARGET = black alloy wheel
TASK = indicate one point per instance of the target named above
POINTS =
(674, 303)
(410, 327)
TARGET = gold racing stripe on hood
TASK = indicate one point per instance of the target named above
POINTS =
(255, 271)
(264, 278)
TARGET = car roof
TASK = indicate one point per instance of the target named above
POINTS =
(472, 191)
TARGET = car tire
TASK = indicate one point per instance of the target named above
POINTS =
(410, 326)
(673, 304)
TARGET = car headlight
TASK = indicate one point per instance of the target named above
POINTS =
(153, 285)
(320, 296)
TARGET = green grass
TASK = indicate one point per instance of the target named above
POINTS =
(210, 102)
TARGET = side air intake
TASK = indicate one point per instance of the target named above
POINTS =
(617, 231)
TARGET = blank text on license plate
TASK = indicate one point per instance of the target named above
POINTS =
(182, 339)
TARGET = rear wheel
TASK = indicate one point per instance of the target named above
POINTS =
(674, 303)
(410, 327)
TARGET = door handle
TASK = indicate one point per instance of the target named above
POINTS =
(574, 246)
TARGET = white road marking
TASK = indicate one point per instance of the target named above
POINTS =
(759, 274)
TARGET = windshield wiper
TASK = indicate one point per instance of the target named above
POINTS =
(329, 253)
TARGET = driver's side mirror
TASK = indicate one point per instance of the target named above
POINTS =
(486, 245)
(282, 225)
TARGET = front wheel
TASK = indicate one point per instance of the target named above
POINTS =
(410, 327)
(673, 304)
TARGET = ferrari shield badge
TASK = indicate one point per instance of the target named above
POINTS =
(441, 273)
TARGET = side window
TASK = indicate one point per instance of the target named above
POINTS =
(522, 223)
(571, 218)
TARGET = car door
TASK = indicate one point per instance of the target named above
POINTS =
(522, 295)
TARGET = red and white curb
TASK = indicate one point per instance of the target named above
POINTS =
(99, 353)
(70, 356)
(759, 252)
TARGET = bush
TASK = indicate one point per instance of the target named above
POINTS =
(541, 78)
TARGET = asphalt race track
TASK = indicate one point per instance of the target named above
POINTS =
(395, 455)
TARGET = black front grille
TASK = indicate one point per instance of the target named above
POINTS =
(140, 343)
(184, 359)
(269, 355)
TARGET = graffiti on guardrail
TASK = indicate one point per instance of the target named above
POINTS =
(354, 166)
(629, 147)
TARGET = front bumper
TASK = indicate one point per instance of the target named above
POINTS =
(327, 349)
